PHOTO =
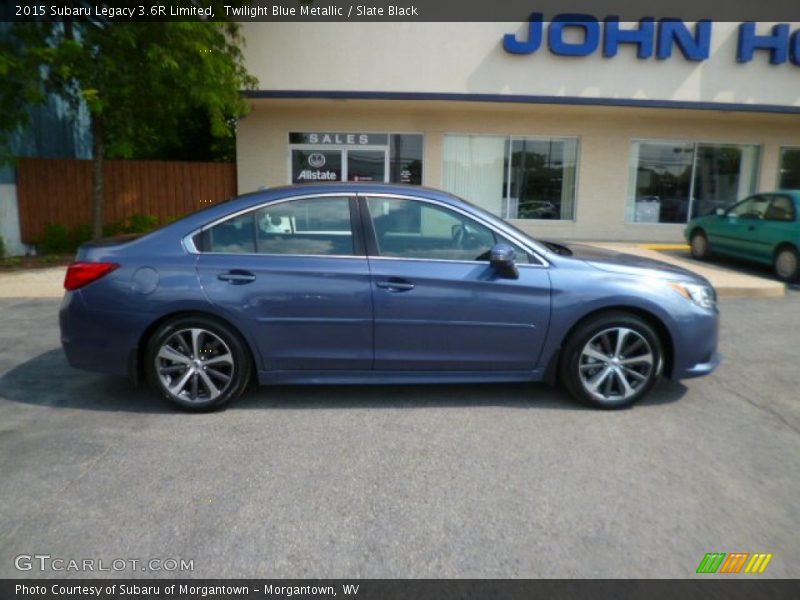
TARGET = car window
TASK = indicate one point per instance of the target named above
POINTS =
(310, 226)
(307, 226)
(780, 209)
(754, 207)
(413, 229)
(234, 236)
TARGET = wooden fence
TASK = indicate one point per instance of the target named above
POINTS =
(60, 191)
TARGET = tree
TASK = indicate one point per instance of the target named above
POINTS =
(137, 80)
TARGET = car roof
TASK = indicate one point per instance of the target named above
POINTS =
(243, 203)
(252, 199)
(267, 194)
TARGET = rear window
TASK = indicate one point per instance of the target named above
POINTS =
(306, 226)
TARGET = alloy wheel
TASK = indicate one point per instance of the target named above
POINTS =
(195, 365)
(615, 364)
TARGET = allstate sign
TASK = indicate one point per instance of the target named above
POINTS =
(580, 35)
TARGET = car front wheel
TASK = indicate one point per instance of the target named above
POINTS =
(612, 360)
(786, 264)
(198, 363)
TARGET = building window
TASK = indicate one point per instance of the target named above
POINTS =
(542, 179)
(338, 156)
(672, 182)
(405, 158)
(789, 173)
(513, 177)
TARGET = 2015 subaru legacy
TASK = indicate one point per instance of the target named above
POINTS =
(374, 283)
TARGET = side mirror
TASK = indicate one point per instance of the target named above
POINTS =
(502, 257)
(720, 212)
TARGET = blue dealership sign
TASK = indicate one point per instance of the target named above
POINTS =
(570, 34)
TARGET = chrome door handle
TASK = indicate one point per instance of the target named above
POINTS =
(395, 286)
(237, 277)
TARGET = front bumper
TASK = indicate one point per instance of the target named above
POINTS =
(695, 340)
(700, 369)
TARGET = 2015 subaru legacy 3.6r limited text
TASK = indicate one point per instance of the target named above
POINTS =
(369, 283)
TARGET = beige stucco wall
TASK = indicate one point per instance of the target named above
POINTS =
(605, 135)
(468, 58)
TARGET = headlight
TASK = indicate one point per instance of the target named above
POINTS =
(702, 295)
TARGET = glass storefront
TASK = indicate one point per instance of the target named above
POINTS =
(520, 177)
(513, 177)
(337, 156)
(789, 174)
(672, 182)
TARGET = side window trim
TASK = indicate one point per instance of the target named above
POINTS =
(199, 240)
(373, 251)
(368, 227)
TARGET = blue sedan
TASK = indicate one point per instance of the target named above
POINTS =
(368, 283)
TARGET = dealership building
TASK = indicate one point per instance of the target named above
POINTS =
(594, 130)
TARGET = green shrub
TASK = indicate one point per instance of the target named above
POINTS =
(58, 240)
(142, 223)
(81, 234)
(51, 259)
(137, 223)
(55, 240)
(112, 229)
(13, 261)
(2, 247)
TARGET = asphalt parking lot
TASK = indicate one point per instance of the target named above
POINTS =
(400, 481)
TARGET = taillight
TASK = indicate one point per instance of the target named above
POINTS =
(80, 274)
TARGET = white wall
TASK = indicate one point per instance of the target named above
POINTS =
(468, 58)
(9, 220)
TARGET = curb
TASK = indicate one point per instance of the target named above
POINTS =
(728, 283)
(664, 247)
(776, 291)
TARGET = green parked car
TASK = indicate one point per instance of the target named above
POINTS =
(761, 228)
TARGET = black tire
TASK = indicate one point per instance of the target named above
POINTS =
(221, 354)
(787, 264)
(699, 245)
(575, 361)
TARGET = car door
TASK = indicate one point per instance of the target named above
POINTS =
(733, 232)
(294, 273)
(438, 304)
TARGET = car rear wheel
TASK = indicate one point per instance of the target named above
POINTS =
(786, 264)
(611, 361)
(198, 363)
(699, 245)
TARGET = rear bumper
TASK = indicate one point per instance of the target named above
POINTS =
(100, 341)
